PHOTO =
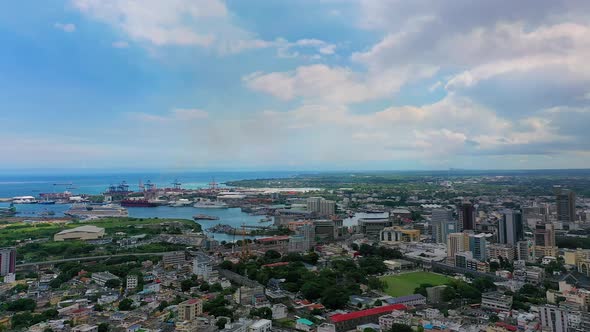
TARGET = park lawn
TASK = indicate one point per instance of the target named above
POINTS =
(11, 233)
(404, 284)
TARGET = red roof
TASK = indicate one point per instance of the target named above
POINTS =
(276, 264)
(507, 326)
(369, 312)
(274, 238)
(192, 301)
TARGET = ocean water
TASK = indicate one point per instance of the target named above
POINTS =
(33, 185)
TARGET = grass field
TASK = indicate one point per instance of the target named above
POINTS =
(404, 284)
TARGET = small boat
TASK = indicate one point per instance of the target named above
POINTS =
(267, 219)
(205, 217)
(47, 202)
(180, 203)
(47, 213)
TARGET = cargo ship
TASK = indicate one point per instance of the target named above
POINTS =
(205, 217)
(137, 203)
(207, 204)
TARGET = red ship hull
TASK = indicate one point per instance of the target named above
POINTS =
(137, 203)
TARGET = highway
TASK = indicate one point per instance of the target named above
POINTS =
(91, 258)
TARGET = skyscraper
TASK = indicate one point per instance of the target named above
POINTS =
(466, 214)
(545, 240)
(510, 228)
(477, 245)
(566, 204)
(7, 261)
(442, 224)
(321, 206)
(455, 244)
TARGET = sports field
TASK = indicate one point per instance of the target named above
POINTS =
(404, 284)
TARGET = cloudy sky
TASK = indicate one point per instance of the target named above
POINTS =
(303, 84)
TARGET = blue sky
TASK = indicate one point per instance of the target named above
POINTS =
(333, 84)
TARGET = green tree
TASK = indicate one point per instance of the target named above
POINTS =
(103, 327)
(21, 305)
(334, 297)
(311, 290)
(125, 305)
(272, 255)
(375, 283)
(264, 313)
(220, 323)
(113, 283)
(400, 328)
(186, 285)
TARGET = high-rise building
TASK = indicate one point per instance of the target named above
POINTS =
(566, 204)
(477, 245)
(321, 206)
(442, 225)
(455, 244)
(545, 240)
(190, 309)
(510, 228)
(525, 250)
(7, 261)
(553, 318)
(466, 212)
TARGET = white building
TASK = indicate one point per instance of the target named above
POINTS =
(321, 206)
(496, 301)
(101, 278)
(85, 328)
(553, 319)
(202, 267)
(132, 281)
(326, 327)
(262, 325)
(86, 232)
(279, 311)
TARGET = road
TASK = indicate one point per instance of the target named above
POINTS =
(91, 258)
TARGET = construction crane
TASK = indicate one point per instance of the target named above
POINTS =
(176, 184)
(213, 185)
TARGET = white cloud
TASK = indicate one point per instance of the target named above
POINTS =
(199, 23)
(120, 44)
(66, 27)
(171, 22)
(333, 84)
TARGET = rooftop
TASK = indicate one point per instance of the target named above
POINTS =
(374, 311)
(85, 228)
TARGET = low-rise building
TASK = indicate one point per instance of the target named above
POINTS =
(86, 232)
(279, 311)
(85, 328)
(326, 327)
(496, 301)
(101, 278)
(396, 317)
(189, 310)
(262, 325)
(303, 324)
(349, 321)
(413, 300)
(397, 234)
